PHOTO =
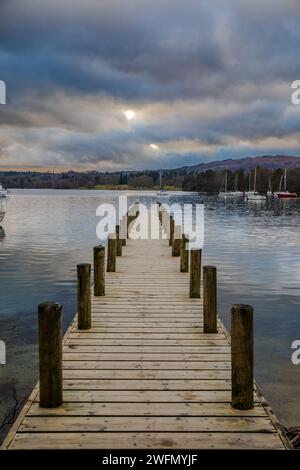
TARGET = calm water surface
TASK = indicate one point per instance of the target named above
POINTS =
(254, 245)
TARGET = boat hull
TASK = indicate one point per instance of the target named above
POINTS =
(286, 195)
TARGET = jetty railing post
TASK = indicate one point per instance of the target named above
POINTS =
(176, 241)
(184, 255)
(119, 241)
(123, 225)
(242, 356)
(130, 218)
(210, 299)
(111, 253)
(99, 270)
(84, 296)
(50, 354)
(172, 224)
(195, 273)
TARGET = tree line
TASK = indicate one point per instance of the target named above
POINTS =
(209, 181)
(213, 181)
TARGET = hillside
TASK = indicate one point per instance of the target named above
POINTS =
(271, 162)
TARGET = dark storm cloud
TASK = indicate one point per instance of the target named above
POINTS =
(202, 75)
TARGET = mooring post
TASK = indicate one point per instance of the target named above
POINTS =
(119, 241)
(242, 356)
(176, 241)
(84, 296)
(184, 255)
(130, 218)
(111, 253)
(123, 225)
(195, 273)
(50, 354)
(172, 224)
(99, 270)
(210, 299)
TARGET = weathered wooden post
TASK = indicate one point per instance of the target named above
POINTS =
(172, 224)
(123, 225)
(84, 296)
(119, 241)
(99, 270)
(50, 354)
(210, 299)
(176, 241)
(184, 255)
(195, 273)
(111, 253)
(242, 356)
(130, 218)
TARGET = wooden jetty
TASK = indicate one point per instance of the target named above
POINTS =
(145, 373)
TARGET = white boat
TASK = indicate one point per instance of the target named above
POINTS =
(226, 193)
(162, 191)
(3, 191)
(254, 195)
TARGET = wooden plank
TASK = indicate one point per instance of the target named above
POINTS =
(82, 361)
(148, 384)
(144, 423)
(126, 349)
(210, 374)
(166, 396)
(150, 342)
(127, 440)
(146, 409)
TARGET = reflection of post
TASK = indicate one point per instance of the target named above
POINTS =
(2, 92)
(2, 353)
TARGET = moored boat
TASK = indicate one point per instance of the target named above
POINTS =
(3, 191)
(254, 195)
(285, 194)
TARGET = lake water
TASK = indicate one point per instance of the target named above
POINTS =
(254, 245)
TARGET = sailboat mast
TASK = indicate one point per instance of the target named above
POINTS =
(159, 179)
(225, 181)
(249, 181)
(254, 186)
(284, 181)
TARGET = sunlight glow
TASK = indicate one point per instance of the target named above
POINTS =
(129, 114)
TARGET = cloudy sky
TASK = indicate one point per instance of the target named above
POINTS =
(207, 80)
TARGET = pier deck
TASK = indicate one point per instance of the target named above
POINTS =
(145, 375)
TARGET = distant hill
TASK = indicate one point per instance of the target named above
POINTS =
(247, 163)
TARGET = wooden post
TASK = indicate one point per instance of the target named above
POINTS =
(119, 241)
(171, 231)
(176, 241)
(210, 299)
(242, 356)
(124, 230)
(195, 273)
(99, 270)
(130, 218)
(184, 255)
(111, 253)
(84, 296)
(50, 354)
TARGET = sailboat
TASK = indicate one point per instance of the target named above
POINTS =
(162, 191)
(254, 195)
(226, 193)
(284, 193)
